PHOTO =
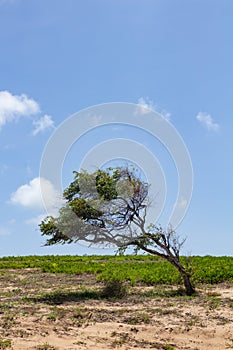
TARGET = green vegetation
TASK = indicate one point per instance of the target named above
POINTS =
(4, 344)
(114, 288)
(45, 346)
(146, 269)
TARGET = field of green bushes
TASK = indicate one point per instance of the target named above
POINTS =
(145, 269)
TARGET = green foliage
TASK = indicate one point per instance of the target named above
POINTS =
(168, 347)
(106, 183)
(102, 182)
(46, 346)
(49, 227)
(83, 196)
(4, 344)
(114, 288)
(83, 210)
(146, 269)
(90, 206)
(52, 317)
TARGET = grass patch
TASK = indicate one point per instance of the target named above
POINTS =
(139, 318)
(5, 344)
(146, 269)
(46, 346)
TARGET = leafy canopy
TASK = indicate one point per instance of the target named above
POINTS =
(98, 207)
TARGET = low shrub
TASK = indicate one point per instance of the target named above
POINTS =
(114, 289)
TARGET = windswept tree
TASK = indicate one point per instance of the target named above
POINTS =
(110, 207)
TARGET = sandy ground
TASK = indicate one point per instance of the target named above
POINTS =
(45, 311)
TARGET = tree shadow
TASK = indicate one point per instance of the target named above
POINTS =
(173, 293)
(58, 298)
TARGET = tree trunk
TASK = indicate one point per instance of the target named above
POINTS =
(187, 283)
(171, 258)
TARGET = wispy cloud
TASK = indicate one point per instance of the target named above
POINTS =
(29, 195)
(145, 106)
(42, 124)
(207, 121)
(166, 115)
(14, 106)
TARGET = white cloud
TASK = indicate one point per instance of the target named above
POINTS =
(166, 115)
(29, 195)
(207, 121)
(145, 106)
(45, 122)
(15, 106)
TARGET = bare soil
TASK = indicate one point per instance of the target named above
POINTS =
(58, 311)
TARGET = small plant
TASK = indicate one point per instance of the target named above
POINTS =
(124, 337)
(4, 307)
(214, 303)
(138, 318)
(4, 344)
(115, 289)
(52, 317)
(79, 318)
(163, 311)
(8, 321)
(113, 334)
(213, 294)
(46, 346)
(77, 314)
(168, 347)
(229, 343)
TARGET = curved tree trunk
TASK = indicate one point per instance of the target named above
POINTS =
(171, 258)
(189, 288)
(188, 285)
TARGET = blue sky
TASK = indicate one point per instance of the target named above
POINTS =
(59, 57)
